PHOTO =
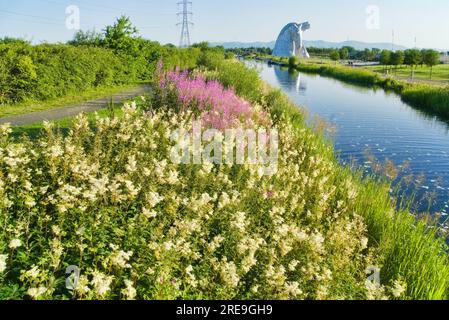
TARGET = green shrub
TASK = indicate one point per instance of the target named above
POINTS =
(293, 62)
(48, 71)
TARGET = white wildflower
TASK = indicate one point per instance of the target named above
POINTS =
(292, 289)
(15, 243)
(240, 221)
(224, 200)
(56, 230)
(3, 258)
(121, 258)
(129, 292)
(101, 283)
(5, 129)
(292, 265)
(35, 293)
(132, 164)
(83, 285)
(172, 178)
(149, 213)
(398, 289)
(154, 199)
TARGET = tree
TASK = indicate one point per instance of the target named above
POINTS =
(120, 35)
(335, 56)
(385, 58)
(431, 58)
(412, 58)
(351, 50)
(344, 53)
(88, 38)
(368, 55)
(293, 61)
(397, 58)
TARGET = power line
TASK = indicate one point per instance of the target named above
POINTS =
(186, 23)
(30, 16)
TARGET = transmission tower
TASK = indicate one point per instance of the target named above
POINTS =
(186, 23)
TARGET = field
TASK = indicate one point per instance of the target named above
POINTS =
(440, 73)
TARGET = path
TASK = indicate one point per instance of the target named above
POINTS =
(73, 110)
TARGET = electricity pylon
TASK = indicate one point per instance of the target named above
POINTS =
(186, 23)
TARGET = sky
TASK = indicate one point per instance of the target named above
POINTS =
(238, 20)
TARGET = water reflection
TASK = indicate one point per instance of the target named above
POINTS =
(296, 82)
(374, 120)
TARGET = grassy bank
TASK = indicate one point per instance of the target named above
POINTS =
(108, 197)
(406, 248)
(431, 99)
(439, 72)
(92, 94)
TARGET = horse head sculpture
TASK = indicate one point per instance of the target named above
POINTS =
(290, 41)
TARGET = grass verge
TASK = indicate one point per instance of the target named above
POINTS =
(34, 106)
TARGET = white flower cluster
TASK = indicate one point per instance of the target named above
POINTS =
(177, 231)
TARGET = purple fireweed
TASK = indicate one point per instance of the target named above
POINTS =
(220, 107)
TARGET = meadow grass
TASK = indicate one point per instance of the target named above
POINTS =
(440, 72)
(75, 98)
(33, 130)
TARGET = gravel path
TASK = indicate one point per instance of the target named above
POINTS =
(73, 110)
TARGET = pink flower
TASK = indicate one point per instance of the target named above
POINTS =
(220, 108)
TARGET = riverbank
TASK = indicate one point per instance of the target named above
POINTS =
(431, 99)
(144, 227)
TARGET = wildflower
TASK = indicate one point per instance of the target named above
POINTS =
(29, 202)
(35, 293)
(15, 243)
(149, 213)
(56, 230)
(33, 273)
(120, 259)
(5, 129)
(154, 199)
(364, 243)
(83, 285)
(240, 221)
(228, 272)
(56, 151)
(129, 292)
(172, 178)
(3, 258)
(292, 289)
(101, 283)
(224, 200)
(191, 277)
(292, 265)
(398, 289)
(132, 164)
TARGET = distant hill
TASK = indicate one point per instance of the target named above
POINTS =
(317, 44)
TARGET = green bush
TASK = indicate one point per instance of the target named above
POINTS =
(293, 62)
(44, 72)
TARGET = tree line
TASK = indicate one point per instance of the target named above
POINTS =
(116, 56)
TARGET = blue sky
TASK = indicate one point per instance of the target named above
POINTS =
(240, 20)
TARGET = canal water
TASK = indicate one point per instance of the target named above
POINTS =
(373, 126)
